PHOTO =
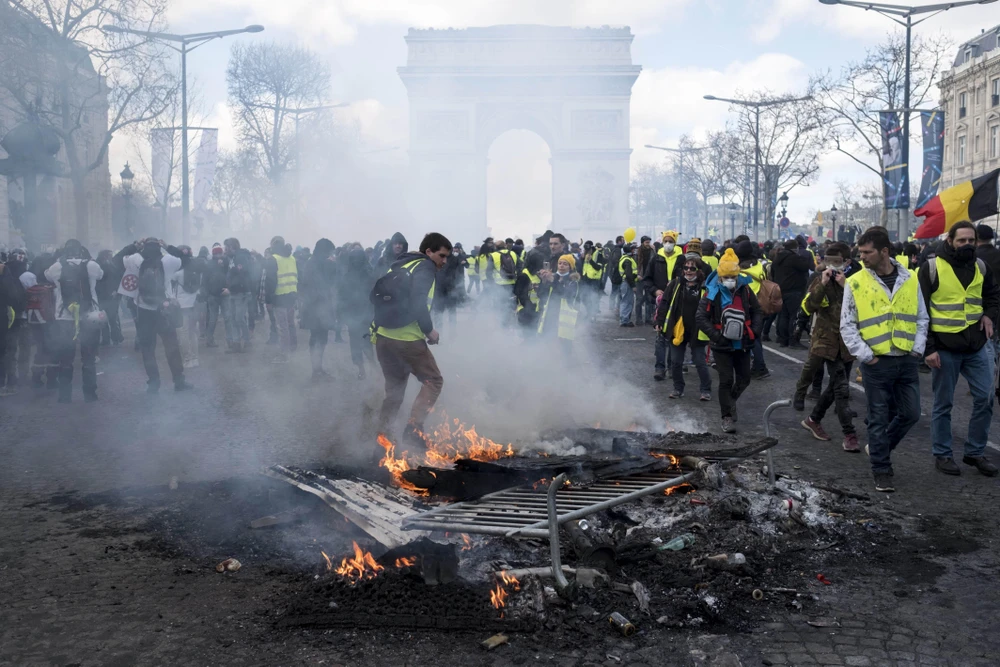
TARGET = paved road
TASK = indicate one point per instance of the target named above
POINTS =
(246, 413)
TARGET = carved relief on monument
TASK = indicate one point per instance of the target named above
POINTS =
(597, 197)
(596, 124)
(442, 125)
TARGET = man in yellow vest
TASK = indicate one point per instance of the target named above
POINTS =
(964, 301)
(628, 270)
(281, 283)
(883, 323)
(403, 350)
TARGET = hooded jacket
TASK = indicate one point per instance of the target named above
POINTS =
(825, 302)
(354, 287)
(654, 274)
(710, 313)
(317, 290)
(791, 270)
(388, 258)
(422, 277)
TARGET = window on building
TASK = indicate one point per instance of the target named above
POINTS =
(979, 97)
(995, 96)
(995, 141)
(961, 151)
(976, 145)
(968, 56)
(963, 99)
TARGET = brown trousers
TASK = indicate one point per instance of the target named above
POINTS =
(399, 359)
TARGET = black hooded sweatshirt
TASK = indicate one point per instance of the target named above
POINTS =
(972, 338)
(388, 258)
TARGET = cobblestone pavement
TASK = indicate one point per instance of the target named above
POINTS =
(80, 590)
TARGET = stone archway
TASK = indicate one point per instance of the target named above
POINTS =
(570, 86)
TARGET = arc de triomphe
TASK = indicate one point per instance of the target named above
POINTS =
(571, 86)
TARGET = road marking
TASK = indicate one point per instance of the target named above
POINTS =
(630, 339)
(850, 383)
(993, 445)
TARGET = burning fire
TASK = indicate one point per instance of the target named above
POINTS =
(406, 562)
(680, 488)
(445, 445)
(674, 461)
(467, 541)
(499, 595)
(361, 566)
(329, 565)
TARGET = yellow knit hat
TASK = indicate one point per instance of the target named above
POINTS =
(729, 265)
(570, 260)
(672, 235)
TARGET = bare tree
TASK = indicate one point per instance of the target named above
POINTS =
(650, 188)
(852, 99)
(711, 169)
(792, 136)
(61, 70)
(265, 81)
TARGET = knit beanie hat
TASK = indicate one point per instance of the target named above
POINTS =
(217, 249)
(672, 235)
(729, 265)
(570, 260)
(694, 245)
(744, 250)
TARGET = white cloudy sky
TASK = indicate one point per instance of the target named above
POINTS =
(687, 48)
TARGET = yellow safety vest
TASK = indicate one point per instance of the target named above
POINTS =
(482, 264)
(881, 322)
(288, 275)
(532, 292)
(954, 308)
(411, 331)
(702, 336)
(621, 266)
(755, 271)
(805, 309)
(497, 276)
(712, 261)
(567, 318)
(671, 260)
(589, 272)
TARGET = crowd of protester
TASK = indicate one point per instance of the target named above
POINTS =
(885, 311)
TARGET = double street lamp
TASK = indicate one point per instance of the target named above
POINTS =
(187, 43)
(903, 15)
(756, 105)
(127, 177)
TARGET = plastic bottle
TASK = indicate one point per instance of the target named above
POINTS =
(678, 543)
(726, 561)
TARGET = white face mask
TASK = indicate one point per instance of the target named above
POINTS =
(729, 283)
(668, 246)
(563, 274)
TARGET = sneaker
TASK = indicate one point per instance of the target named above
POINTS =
(675, 394)
(851, 444)
(883, 482)
(982, 464)
(211, 343)
(814, 394)
(799, 402)
(660, 376)
(765, 338)
(760, 375)
(947, 465)
(183, 386)
(796, 345)
(705, 396)
(727, 425)
(815, 428)
(188, 364)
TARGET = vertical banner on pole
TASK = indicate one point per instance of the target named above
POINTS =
(161, 142)
(747, 194)
(895, 158)
(932, 124)
(204, 171)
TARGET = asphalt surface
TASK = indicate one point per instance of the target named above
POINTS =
(78, 590)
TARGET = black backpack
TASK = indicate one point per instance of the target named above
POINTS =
(508, 267)
(391, 297)
(152, 283)
(74, 283)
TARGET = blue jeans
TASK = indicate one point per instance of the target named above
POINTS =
(627, 303)
(758, 356)
(698, 357)
(234, 308)
(892, 386)
(976, 368)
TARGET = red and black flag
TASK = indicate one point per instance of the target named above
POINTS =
(972, 201)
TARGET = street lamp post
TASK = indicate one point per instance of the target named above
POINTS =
(187, 43)
(127, 177)
(756, 106)
(833, 223)
(895, 13)
(784, 210)
(681, 152)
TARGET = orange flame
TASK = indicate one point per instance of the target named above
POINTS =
(499, 595)
(329, 565)
(361, 566)
(467, 541)
(663, 455)
(397, 466)
(406, 562)
(510, 580)
(685, 488)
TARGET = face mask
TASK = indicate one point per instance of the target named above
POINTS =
(965, 253)
(836, 268)
(729, 283)
(668, 246)
(560, 273)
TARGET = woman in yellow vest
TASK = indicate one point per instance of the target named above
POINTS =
(676, 328)
(527, 290)
(282, 284)
(560, 297)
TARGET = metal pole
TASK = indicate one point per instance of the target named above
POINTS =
(904, 223)
(783, 403)
(756, 174)
(298, 167)
(185, 193)
(562, 585)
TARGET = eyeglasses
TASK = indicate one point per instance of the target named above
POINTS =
(690, 269)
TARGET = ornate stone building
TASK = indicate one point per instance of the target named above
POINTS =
(54, 219)
(970, 97)
(570, 86)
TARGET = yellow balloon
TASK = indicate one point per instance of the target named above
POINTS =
(629, 235)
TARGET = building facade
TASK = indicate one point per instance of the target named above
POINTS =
(970, 98)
